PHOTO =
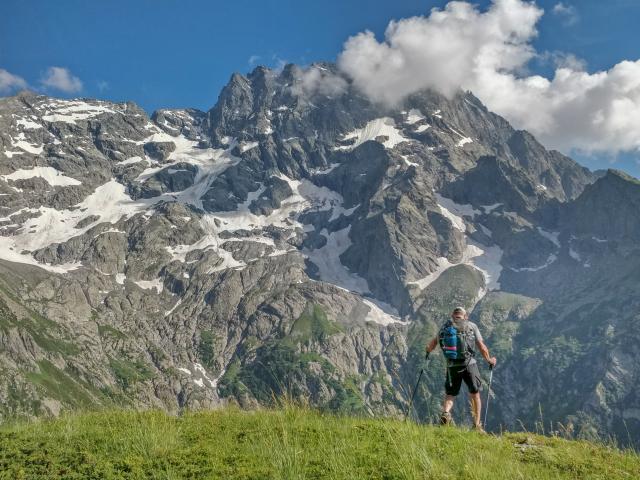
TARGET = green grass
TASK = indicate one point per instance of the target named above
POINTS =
(60, 385)
(313, 324)
(290, 443)
(206, 348)
(66, 387)
(129, 372)
(39, 328)
(107, 331)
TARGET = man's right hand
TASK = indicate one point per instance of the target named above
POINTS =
(492, 362)
(426, 354)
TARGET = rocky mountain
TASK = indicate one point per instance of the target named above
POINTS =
(299, 239)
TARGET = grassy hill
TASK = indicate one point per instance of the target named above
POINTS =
(291, 443)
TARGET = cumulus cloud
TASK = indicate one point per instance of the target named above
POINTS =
(487, 52)
(61, 79)
(318, 80)
(10, 82)
(568, 12)
(442, 50)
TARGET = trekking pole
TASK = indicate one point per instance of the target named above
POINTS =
(415, 389)
(486, 410)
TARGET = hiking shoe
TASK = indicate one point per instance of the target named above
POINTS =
(478, 428)
(445, 418)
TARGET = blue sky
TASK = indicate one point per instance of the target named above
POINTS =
(180, 54)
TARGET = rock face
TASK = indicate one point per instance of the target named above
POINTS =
(300, 240)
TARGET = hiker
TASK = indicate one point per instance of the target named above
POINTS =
(458, 338)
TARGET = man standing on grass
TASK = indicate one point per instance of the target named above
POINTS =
(459, 338)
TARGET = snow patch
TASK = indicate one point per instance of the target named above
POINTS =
(111, 230)
(109, 203)
(464, 140)
(442, 264)
(207, 242)
(384, 126)
(408, 162)
(28, 124)
(132, 160)
(324, 171)
(575, 255)
(488, 261)
(490, 208)
(150, 284)
(245, 147)
(268, 129)
(484, 259)
(553, 236)
(552, 258)
(69, 111)
(209, 162)
(22, 143)
(414, 116)
(455, 211)
(379, 313)
(330, 268)
(169, 312)
(202, 373)
(52, 176)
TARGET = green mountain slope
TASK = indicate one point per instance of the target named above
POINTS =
(289, 444)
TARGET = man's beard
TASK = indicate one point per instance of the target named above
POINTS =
(459, 322)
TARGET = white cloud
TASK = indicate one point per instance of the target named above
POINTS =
(567, 60)
(61, 79)
(487, 52)
(318, 80)
(277, 63)
(568, 12)
(10, 82)
(253, 60)
(103, 85)
(442, 50)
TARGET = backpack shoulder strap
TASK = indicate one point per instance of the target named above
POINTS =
(443, 326)
(470, 339)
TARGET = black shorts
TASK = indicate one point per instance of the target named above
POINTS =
(457, 373)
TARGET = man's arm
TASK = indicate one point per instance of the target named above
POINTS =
(485, 353)
(432, 344)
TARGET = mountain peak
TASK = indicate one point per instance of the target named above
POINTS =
(614, 175)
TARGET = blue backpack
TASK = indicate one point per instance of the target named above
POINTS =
(455, 342)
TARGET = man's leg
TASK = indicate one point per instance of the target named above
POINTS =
(476, 408)
(447, 405)
(474, 383)
(451, 389)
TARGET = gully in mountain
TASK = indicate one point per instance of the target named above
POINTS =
(458, 339)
